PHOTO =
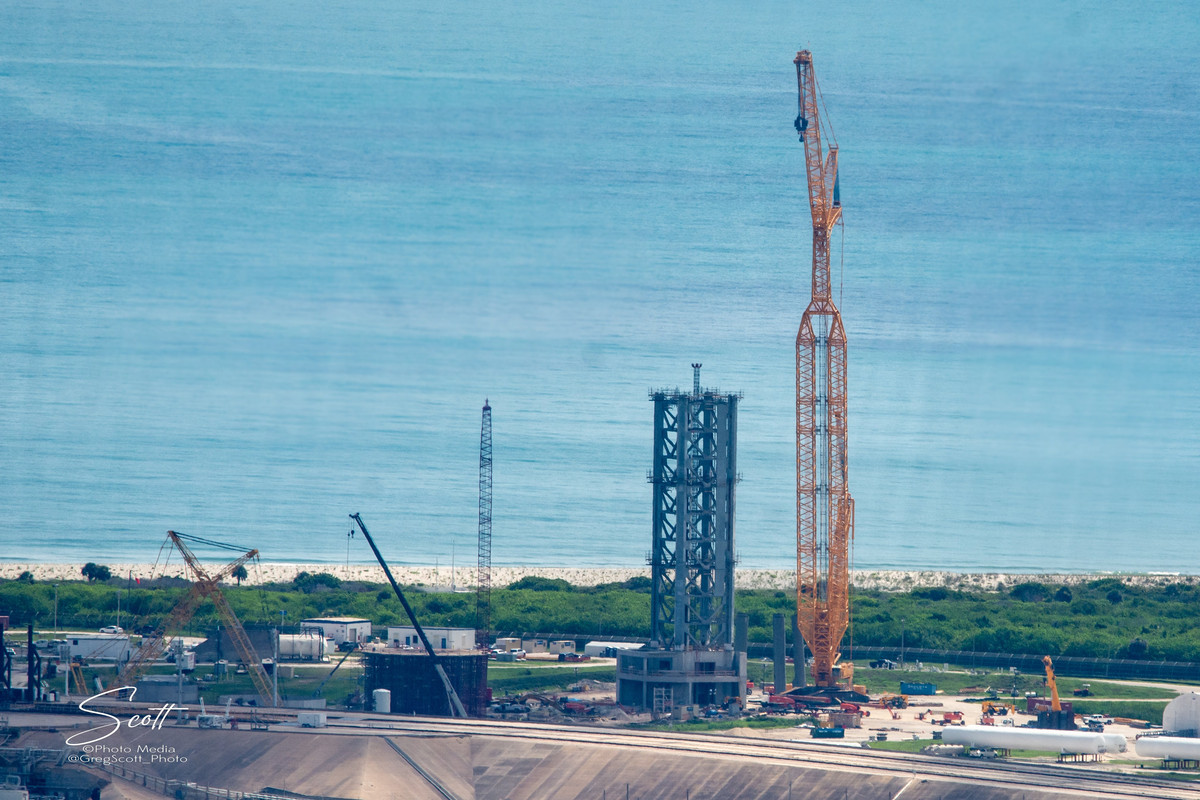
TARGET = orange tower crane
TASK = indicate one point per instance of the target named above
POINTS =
(824, 508)
(204, 586)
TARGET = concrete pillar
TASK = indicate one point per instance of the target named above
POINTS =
(780, 655)
(741, 628)
(799, 670)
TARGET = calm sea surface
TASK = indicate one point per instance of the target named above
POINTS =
(262, 262)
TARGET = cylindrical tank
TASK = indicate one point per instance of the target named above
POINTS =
(1075, 742)
(381, 699)
(1115, 743)
(1168, 747)
(301, 647)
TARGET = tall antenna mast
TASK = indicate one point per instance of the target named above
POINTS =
(483, 579)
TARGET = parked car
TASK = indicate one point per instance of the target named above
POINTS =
(112, 629)
(883, 663)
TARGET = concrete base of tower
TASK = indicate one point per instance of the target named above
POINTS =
(662, 681)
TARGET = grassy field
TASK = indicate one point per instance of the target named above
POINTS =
(507, 680)
(301, 687)
(710, 725)
(1148, 711)
(917, 745)
(959, 681)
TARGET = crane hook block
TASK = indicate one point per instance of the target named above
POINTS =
(801, 125)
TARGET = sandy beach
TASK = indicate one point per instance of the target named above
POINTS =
(461, 578)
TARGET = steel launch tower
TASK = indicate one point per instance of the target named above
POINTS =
(824, 508)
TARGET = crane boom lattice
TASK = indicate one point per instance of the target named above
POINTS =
(824, 508)
(204, 586)
(483, 573)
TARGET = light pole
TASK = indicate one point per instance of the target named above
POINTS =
(118, 608)
(56, 610)
(902, 643)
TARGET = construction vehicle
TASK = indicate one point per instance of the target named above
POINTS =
(998, 709)
(1056, 718)
(1085, 690)
(894, 701)
(456, 706)
(204, 586)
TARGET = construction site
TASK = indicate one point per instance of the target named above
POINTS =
(418, 719)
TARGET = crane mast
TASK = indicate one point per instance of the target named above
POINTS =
(824, 508)
(483, 579)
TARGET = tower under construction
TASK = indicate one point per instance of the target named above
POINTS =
(690, 659)
(824, 508)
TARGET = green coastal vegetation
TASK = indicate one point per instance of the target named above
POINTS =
(1103, 618)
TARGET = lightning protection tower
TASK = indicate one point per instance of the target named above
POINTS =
(824, 508)
(483, 573)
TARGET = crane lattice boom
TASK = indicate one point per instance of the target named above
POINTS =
(203, 586)
(483, 574)
(824, 508)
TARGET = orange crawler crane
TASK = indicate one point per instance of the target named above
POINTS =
(824, 508)
(203, 586)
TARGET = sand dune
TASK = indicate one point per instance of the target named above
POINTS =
(463, 578)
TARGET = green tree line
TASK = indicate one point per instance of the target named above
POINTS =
(1105, 618)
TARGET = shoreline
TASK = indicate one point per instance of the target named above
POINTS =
(463, 578)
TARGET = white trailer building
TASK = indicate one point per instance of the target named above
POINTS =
(98, 646)
(340, 629)
(440, 638)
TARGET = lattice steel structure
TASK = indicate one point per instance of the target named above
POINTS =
(483, 573)
(824, 508)
(692, 552)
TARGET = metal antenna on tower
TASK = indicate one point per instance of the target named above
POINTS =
(483, 579)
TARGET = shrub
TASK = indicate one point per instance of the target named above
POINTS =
(536, 584)
(1030, 592)
(95, 572)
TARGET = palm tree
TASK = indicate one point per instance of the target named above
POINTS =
(240, 572)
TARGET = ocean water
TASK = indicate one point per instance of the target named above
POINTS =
(262, 262)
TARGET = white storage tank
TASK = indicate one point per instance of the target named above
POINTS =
(1073, 742)
(1115, 743)
(1182, 714)
(381, 701)
(302, 646)
(1168, 747)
